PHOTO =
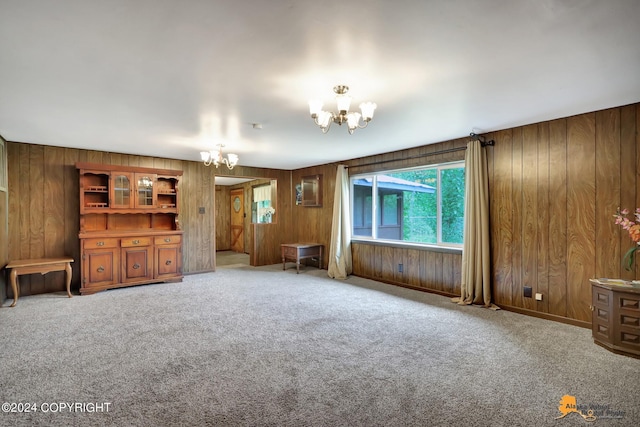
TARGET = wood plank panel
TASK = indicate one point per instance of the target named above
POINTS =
(607, 185)
(628, 172)
(542, 221)
(433, 270)
(448, 273)
(24, 249)
(516, 218)
(36, 212)
(54, 201)
(412, 267)
(189, 220)
(501, 221)
(557, 254)
(529, 236)
(207, 244)
(580, 213)
(388, 261)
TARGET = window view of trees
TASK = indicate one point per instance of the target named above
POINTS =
(414, 205)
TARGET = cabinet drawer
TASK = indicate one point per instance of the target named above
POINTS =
(167, 240)
(101, 243)
(135, 241)
(291, 253)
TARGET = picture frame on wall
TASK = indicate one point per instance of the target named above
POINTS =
(312, 190)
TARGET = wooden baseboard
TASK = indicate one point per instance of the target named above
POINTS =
(518, 310)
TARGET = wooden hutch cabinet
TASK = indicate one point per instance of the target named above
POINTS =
(129, 229)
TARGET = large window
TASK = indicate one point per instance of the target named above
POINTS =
(420, 205)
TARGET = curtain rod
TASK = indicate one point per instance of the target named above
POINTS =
(474, 137)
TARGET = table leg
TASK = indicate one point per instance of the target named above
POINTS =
(13, 277)
(68, 272)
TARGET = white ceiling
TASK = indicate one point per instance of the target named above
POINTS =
(170, 78)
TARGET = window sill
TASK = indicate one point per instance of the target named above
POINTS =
(407, 245)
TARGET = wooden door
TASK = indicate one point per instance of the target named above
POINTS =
(237, 220)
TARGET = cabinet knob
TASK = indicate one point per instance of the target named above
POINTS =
(167, 240)
(100, 244)
(136, 266)
(135, 242)
(592, 308)
(168, 262)
(100, 269)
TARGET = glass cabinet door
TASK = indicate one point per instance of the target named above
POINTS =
(121, 191)
(144, 190)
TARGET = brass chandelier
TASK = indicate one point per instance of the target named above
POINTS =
(353, 119)
(216, 157)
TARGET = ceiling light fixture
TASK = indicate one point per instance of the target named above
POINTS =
(217, 158)
(325, 118)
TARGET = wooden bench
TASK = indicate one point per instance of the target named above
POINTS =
(43, 266)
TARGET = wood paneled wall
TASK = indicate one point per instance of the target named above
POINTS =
(4, 225)
(43, 212)
(554, 187)
(313, 224)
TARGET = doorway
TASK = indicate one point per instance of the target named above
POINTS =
(226, 190)
(237, 220)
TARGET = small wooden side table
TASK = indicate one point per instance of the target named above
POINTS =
(297, 251)
(43, 266)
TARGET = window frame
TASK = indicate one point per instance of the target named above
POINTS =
(439, 245)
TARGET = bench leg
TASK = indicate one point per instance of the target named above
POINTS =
(13, 277)
(68, 272)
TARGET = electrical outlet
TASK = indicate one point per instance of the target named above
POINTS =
(528, 291)
(400, 268)
(201, 210)
(538, 297)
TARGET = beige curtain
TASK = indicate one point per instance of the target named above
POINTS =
(476, 263)
(340, 265)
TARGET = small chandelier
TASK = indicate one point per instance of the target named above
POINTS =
(217, 158)
(325, 118)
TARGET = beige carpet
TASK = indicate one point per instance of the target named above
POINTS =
(265, 347)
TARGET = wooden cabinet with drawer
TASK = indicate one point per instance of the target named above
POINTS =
(100, 263)
(616, 316)
(129, 229)
(168, 256)
(137, 264)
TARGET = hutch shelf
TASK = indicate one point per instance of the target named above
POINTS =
(129, 228)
